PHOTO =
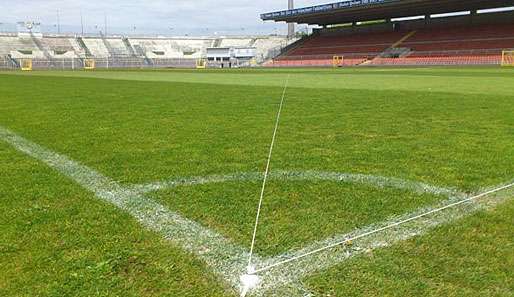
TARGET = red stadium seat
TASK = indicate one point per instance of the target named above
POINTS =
(470, 45)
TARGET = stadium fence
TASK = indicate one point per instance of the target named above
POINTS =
(7, 63)
(450, 57)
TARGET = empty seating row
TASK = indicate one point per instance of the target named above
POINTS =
(464, 38)
(471, 45)
(313, 62)
(361, 45)
(478, 44)
(448, 60)
(69, 47)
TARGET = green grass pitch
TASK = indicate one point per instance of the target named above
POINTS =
(450, 128)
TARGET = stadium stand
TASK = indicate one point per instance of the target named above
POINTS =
(467, 45)
(115, 47)
(357, 45)
(69, 52)
(80, 47)
(474, 39)
(269, 47)
(18, 47)
(96, 47)
(353, 33)
(355, 48)
(449, 39)
(172, 48)
(129, 47)
(59, 47)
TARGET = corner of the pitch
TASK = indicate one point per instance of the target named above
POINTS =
(294, 289)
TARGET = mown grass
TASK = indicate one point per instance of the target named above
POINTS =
(473, 257)
(294, 213)
(447, 127)
(58, 240)
(457, 80)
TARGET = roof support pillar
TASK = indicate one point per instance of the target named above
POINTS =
(428, 19)
(473, 16)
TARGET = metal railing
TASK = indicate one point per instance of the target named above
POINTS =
(5, 64)
(100, 63)
(469, 52)
(330, 56)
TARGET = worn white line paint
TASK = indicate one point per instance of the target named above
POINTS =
(228, 259)
(220, 254)
(384, 228)
(288, 277)
(373, 180)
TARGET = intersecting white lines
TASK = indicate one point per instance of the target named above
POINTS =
(228, 259)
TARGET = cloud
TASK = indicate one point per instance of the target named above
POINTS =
(154, 15)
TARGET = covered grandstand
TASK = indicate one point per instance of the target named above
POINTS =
(400, 32)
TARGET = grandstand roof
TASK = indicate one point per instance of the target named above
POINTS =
(366, 10)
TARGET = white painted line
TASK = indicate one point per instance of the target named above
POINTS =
(229, 260)
(289, 276)
(266, 172)
(224, 257)
(378, 230)
(284, 175)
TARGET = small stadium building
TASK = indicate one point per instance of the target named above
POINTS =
(231, 56)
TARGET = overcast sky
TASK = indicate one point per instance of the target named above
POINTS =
(150, 16)
(156, 17)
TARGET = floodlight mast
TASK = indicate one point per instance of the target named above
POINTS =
(290, 26)
(58, 22)
(82, 23)
(105, 24)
